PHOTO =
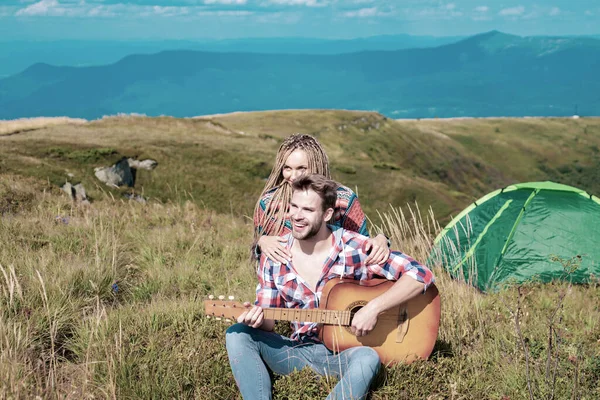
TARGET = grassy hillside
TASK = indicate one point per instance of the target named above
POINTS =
(220, 162)
(105, 302)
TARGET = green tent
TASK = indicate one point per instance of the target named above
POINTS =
(537, 230)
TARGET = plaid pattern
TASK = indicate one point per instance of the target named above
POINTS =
(279, 286)
(347, 214)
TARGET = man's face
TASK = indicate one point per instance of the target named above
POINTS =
(306, 214)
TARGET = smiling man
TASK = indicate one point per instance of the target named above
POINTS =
(320, 253)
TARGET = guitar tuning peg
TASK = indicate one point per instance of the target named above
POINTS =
(218, 318)
(208, 317)
(227, 320)
(221, 297)
(231, 297)
(211, 297)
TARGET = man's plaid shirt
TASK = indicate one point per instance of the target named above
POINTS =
(279, 286)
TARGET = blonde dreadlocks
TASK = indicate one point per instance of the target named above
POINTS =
(273, 219)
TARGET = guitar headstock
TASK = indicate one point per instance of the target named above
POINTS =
(223, 309)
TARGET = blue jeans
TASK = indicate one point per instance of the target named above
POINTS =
(253, 352)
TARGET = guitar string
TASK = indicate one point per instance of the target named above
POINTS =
(382, 317)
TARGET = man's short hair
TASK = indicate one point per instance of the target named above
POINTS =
(325, 188)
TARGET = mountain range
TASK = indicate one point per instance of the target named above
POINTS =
(15, 56)
(491, 74)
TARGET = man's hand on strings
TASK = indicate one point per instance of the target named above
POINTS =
(363, 322)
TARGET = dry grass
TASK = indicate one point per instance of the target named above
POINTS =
(27, 124)
(67, 332)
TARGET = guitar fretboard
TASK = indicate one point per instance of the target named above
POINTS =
(328, 317)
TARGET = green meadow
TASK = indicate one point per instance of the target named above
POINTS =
(106, 300)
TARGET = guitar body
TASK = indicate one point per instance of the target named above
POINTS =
(402, 334)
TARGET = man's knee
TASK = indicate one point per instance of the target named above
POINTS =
(368, 357)
(238, 334)
(238, 328)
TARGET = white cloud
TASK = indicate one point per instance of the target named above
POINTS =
(307, 3)
(169, 11)
(99, 11)
(588, 13)
(79, 8)
(225, 13)
(449, 6)
(368, 13)
(362, 13)
(70, 8)
(43, 7)
(512, 11)
(237, 2)
(554, 11)
(481, 14)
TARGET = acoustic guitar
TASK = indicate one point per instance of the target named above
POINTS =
(403, 334)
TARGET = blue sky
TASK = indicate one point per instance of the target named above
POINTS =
(218, 19)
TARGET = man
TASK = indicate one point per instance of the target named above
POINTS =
(318, 255)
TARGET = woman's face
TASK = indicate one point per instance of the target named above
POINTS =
(295, 166)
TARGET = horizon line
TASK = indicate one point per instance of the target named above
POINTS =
(216, 39)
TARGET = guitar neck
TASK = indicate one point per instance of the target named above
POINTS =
(232, 310)
(327, 317)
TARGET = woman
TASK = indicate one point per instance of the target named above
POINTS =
(297, 155)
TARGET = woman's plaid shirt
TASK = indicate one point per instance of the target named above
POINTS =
(279, 286)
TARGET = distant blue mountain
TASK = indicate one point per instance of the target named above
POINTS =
(18, 55)
(491, 74)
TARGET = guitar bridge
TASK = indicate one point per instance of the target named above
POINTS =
(403, 322)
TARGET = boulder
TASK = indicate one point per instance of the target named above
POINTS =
(76, 192)
(119, 174)
(147, 164)
(123, 172)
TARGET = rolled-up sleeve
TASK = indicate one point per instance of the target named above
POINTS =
(399, 264)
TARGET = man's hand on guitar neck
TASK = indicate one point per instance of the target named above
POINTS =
(255, 318)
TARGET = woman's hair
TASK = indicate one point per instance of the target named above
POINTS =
(274, 216)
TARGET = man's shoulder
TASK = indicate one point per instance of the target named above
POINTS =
(349, 238)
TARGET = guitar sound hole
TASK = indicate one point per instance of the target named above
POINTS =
(354, 311)
(354, 308)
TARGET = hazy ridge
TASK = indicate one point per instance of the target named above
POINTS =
(492, 74)
(16, 56)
